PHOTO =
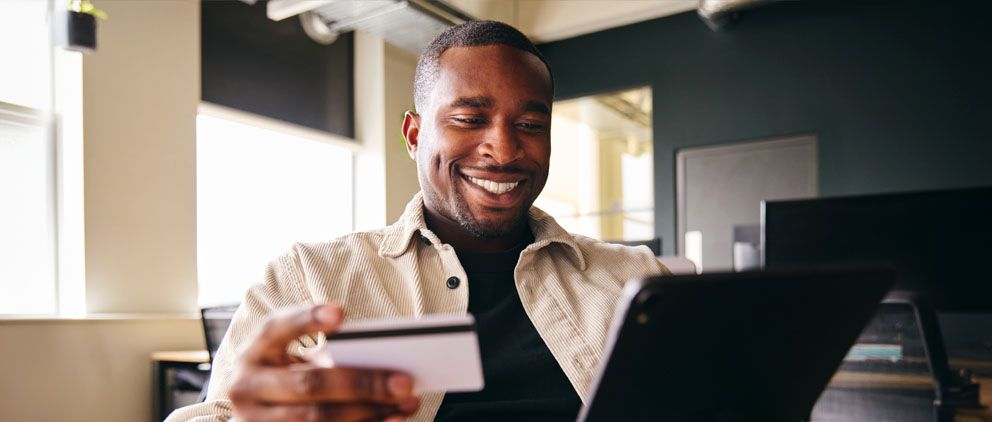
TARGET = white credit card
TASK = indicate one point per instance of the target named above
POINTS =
(440, 352)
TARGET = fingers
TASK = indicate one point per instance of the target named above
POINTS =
(348, 412)
(313, 384)
(269, 346)
(269, 387)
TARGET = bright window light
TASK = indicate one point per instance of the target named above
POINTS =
(258, 192)
(27, 255)
(27, 187)
(601, 182)
(26, 52)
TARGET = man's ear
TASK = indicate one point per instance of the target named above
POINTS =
(411, 133)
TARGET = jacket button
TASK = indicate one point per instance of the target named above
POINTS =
(452, 282)
(425, 240)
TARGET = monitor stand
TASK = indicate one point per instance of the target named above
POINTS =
(953, 390)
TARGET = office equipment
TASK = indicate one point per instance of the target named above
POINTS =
(937, 241)
(177, 379)
(895, 347)
(653, 244)
(216, 320)
(730, 347)
(182, 377)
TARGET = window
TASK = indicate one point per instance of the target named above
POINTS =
(602, 167)
(27, 174)
(259, 190)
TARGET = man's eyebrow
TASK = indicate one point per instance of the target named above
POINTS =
(535, 107)
(476, 102)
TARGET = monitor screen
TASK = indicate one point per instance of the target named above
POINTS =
(940, 242)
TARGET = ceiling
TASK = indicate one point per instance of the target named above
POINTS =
(412, 24)
(551, 20)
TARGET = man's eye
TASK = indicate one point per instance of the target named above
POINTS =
(469, 121)
(531, 126)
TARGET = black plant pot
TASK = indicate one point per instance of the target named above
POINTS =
(75, 31)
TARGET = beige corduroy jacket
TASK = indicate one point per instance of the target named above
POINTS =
(568, 284)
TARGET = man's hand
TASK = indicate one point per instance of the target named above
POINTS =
(274, 386)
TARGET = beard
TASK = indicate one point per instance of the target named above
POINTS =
(481, 229)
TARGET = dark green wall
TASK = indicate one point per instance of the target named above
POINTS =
(899, 93)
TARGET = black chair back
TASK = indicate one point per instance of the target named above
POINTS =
(216, 319)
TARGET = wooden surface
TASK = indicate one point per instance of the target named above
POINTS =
(192, 356)
(849, 379)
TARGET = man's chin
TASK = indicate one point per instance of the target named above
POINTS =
(490, 228)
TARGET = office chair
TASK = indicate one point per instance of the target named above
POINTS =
(653, 244)
(215, 320)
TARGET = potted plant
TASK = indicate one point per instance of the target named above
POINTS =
(75, 28)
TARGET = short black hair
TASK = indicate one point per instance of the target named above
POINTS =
(468, 34)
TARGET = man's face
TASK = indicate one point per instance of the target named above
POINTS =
(483, 144)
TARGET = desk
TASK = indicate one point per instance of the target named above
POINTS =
(165, 365)
(168, 361)
(865, 380)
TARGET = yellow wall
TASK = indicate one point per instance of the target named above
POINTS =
(385, 176)
(140, 93)
(401, 170)
(84, 370)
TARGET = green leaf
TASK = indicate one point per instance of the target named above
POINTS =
(84, 6)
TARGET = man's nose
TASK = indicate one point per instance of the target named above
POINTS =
(502, 145)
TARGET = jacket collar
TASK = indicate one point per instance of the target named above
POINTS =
(544, 227)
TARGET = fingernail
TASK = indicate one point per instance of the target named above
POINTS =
(400, 385)
(326, 315)
(394, 419)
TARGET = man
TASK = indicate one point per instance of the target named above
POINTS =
(469, 242)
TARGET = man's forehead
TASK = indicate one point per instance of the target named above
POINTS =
(463, 55)
(475, 66)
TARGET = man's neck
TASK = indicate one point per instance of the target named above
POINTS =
(452, 233)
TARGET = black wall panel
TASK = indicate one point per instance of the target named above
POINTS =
(898, 92)
(273, 69)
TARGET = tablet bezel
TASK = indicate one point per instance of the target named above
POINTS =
(863, 288)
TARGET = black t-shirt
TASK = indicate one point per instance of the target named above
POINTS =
(523, 380)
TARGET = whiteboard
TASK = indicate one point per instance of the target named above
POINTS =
(722, 186)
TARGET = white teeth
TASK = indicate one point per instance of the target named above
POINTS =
(494, 187)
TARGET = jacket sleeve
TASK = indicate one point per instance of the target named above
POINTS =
(281, 288)
(662, 269)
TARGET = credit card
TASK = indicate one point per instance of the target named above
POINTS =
(440, 352)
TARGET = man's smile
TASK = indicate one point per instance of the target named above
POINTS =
(494, 189)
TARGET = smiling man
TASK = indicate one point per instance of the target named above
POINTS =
(486, 131)
(469, 242)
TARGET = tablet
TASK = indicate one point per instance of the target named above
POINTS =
(754, 346)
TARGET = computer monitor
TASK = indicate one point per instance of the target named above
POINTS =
(940, 242)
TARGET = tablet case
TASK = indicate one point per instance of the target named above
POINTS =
(754, 346)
